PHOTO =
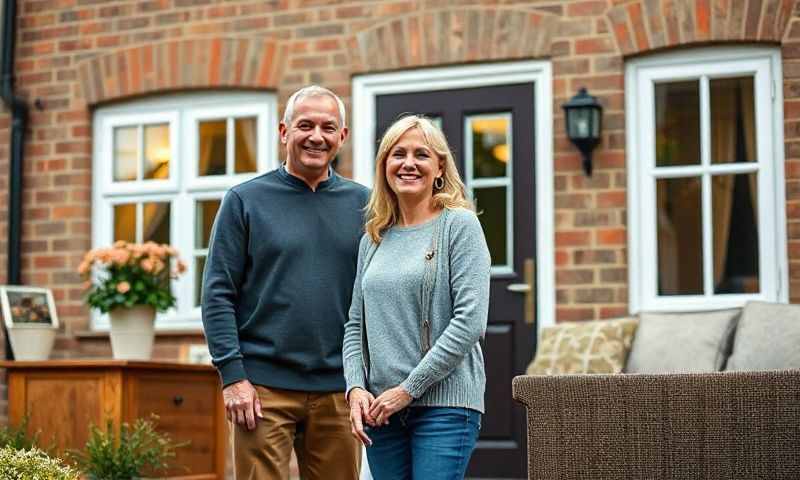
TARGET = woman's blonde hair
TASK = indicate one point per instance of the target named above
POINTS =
(382, 210)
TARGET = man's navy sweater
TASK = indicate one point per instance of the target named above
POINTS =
(278, 280)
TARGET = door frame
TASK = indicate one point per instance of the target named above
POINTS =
(368, 86)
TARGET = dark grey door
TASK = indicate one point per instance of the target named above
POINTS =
(491, 132)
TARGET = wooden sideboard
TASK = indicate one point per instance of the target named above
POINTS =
(63, 397)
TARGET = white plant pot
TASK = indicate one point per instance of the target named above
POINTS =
(132, 332)
(31, 342)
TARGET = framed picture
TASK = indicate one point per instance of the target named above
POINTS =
(28, 306)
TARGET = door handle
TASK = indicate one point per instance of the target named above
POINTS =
(519, 288)
(526, 288)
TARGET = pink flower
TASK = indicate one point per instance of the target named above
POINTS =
(83, 268)
(120, 256)
(123, 287)
(158, 266)
(181, 266)
(147, 265)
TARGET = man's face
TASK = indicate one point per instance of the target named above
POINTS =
(314, 135)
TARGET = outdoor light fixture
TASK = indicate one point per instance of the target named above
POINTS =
(584, 114)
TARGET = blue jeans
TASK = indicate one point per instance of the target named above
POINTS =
(424, 443)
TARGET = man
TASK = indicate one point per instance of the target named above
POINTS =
(276, 292)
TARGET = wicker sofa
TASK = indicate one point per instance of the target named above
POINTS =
(731, 424)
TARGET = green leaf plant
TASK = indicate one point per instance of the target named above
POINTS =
(138, 449)
(32, 464)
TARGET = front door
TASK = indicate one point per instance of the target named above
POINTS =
(490, 130)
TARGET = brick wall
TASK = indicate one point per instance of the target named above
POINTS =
(791, 94)
(76, 54)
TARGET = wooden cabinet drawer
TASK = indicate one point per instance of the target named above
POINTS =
(185, 408)
(63, 397)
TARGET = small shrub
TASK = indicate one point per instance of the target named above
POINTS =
(17, 437)
(137, 449)
(32, 464)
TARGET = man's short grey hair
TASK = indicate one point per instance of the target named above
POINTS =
(311, 91)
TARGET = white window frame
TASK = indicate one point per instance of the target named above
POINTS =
(702, 64)
(367, 87)
(507, 267)
(182, 112)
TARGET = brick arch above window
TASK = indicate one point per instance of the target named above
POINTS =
(183, 65)
(645, 25)
(447, 36)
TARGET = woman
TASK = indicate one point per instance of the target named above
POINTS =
(412, 358)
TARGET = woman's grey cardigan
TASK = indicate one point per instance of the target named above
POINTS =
(451, 372)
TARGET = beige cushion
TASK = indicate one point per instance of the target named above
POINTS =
(584, 347)
(682, 342)
(768, 338)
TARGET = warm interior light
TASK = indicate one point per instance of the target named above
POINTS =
(497, 125)
(161, 155)
(500, 152)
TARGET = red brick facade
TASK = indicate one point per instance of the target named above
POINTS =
(73, 55)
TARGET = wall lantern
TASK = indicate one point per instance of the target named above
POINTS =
(584, 117)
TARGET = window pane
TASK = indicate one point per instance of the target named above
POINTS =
(156, 222)
(680, 236)
(733, 120)
(126, 153)
(245, 145)
(206, 211)
(490, 146)
(125, 222)
(156, 151)
(677, 123)
(491, 205)
(213, 135)
(199, 265)
(735, 200)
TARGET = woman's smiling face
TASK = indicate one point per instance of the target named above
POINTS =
(412, 166)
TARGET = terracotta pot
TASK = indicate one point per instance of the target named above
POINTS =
(132, 332)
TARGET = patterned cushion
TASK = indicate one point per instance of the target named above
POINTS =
(599, 346)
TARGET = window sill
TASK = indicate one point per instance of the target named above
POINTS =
(193, 332)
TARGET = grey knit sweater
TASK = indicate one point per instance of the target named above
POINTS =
(455, 297)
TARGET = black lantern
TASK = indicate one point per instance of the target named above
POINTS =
(584, 114)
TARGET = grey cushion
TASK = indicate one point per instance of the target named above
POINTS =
(768, 338)
(682, 342)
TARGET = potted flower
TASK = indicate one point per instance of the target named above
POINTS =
(131, 282)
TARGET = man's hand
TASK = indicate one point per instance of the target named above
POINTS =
(360, 400)
(242, 404)
(388, 403)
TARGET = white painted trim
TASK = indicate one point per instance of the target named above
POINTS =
(765, 64)
(182, 189)
(507, 182)
(367, 87)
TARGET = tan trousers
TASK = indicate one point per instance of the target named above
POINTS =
(317, 425)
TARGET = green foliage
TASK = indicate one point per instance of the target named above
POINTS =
(17, 437)
(32, 464)
(128, 275)
(137, 449)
